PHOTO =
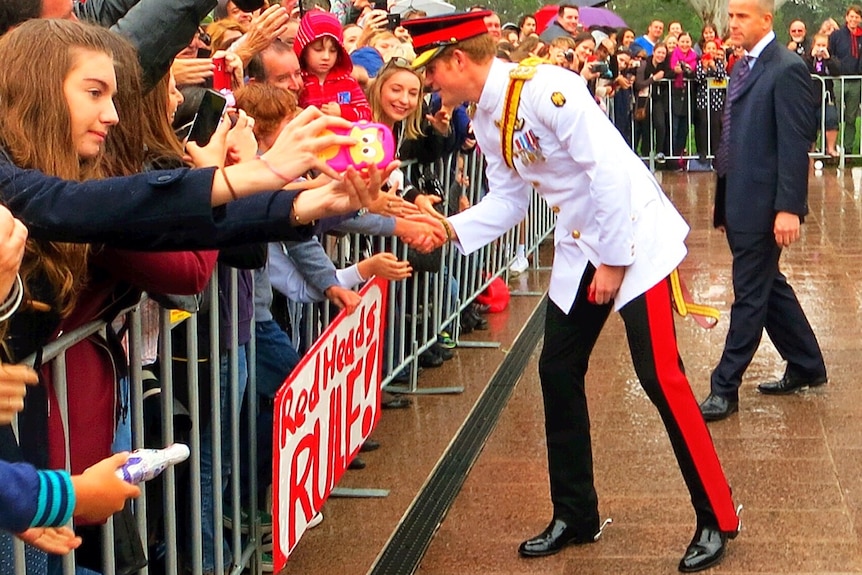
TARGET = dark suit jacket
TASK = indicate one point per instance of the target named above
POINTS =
(771, 129)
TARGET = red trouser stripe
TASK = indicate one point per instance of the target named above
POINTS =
(684, 408)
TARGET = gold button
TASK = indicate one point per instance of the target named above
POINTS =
(576, 234)
(556, 209)
(535, 184)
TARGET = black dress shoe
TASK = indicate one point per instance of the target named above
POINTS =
(356, 463)
(788, 384)
(369, 445)
(555, 536)
(715, 407)
(705, 550)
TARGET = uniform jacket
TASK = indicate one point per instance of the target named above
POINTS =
(610, 209)
(772, 125)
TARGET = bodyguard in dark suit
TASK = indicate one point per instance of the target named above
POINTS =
(762, 197)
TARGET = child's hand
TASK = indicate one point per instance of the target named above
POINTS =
(386, 266)
(331, 109)
(54, 540)
(99, 493)
(343, 298)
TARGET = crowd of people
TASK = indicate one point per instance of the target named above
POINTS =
(97, 167)
(668, 82)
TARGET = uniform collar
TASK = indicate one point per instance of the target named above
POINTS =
(495, 86)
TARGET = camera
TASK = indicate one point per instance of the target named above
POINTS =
(570, 55)
(393, 21)
(602, 69)
(635, 64)
(599, 67)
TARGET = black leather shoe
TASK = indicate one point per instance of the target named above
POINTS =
(555, 536)
(705, 550)
(356, 463)
(715, 407)
(369, 445)
(788, 384)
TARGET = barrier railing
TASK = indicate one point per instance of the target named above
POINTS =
(172, 534)
(701, 127)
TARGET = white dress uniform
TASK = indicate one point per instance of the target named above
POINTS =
(610, 210)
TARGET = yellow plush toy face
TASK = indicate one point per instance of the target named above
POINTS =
(369, 149)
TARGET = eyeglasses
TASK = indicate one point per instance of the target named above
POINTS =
(797, 30)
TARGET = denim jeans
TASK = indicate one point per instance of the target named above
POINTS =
(208, 519)
(275, 358)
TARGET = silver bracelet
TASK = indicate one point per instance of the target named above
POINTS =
(13, 300)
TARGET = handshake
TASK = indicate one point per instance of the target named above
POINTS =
(418, 224)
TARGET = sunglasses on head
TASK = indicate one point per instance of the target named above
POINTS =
(399, 62)
(203, 36)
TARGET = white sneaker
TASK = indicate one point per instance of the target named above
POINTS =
(519, 266)
(316, 520)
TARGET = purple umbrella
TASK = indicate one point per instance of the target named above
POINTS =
(590, 16)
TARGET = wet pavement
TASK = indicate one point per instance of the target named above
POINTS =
(794, 462)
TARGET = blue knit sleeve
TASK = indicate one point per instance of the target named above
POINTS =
(33, 498)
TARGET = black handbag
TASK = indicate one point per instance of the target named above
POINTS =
(128, 548)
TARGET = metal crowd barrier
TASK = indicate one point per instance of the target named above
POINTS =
(418, 310)
(693, 116)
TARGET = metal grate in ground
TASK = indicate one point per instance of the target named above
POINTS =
(407, 545)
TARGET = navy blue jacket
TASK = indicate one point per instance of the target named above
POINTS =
(160, 210)
(771, 129)
(841, 46)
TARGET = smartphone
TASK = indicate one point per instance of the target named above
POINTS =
(375, 147)
(393, 21)
(207, 118)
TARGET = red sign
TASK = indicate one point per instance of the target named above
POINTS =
(324, 411)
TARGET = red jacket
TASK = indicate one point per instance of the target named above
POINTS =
(338, 87)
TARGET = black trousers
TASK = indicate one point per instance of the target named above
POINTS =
(763, 300)
(569, 341)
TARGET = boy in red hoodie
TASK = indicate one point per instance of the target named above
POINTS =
(326, 69)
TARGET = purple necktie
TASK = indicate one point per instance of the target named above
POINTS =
(737, 81)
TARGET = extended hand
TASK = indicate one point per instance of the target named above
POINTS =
(386, 266)
(54, 540)
(99, 493)
(391, 204)
(421, 232)
(343, 298)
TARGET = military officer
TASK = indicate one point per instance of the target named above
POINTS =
(617, 239)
